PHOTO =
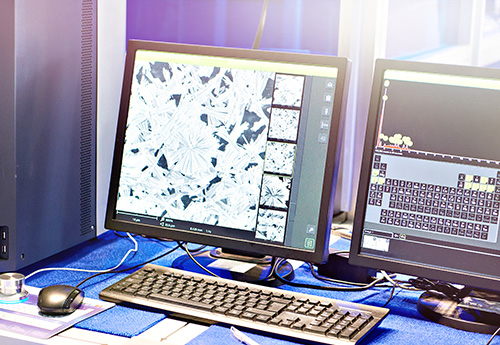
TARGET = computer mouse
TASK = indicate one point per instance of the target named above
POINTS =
(59, 299)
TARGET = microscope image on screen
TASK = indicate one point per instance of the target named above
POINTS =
(213, 146)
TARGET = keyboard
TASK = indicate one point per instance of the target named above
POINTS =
(272, 310)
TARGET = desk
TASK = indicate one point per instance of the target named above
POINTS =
(404, 325)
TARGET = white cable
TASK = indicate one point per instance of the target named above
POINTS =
(395, 283)
(262, 22)
(388, 278)
(136, 247)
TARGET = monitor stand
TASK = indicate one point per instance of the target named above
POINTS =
(477, 312)
(235, 265)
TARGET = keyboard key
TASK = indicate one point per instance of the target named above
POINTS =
(408, 201)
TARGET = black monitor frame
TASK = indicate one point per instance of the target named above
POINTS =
(329, 175)
(393, 264)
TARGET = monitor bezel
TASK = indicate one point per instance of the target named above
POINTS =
(392, 264)
(331, 170)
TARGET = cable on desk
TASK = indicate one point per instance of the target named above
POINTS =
(390, 296)
(399, 284)
(135, 249)
(358, 286)
(333, 280)
(327, 287)
(188, 251)
(123, 234)
(129, 268)
(338, 281)
(445, 288)
(195, 250)
(184, 247)
(393, 283)
(493, 336)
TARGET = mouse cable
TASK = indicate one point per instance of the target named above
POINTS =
(129, 268)
(133, 250)
(327, 287)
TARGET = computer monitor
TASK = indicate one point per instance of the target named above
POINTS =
(230, 148)
(429, 191)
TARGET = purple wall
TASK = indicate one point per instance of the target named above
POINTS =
(291, 25)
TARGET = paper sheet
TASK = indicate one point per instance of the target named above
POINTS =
(25, 318)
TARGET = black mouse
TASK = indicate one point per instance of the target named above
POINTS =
(59, 299)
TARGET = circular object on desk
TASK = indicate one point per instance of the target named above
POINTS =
(12, 288)
(454, 313)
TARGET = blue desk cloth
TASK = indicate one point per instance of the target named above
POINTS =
(404, 325)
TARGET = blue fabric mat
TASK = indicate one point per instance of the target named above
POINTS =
(404, 325)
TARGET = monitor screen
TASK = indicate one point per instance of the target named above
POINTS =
(429, 192)
(228, 147)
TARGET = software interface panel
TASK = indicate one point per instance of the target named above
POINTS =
(435, 175)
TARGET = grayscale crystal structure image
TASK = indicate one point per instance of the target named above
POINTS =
(280, 158)
(198, 135)
(271, 225)
(288, 90)
(275, 191)
(200, 146)
(284, 124)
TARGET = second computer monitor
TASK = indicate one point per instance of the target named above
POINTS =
(429, 193)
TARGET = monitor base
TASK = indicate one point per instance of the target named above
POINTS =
(237, 266)
(474, 313)
(338, 267)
